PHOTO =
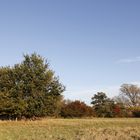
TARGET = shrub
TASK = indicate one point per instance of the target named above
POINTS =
(76, 109)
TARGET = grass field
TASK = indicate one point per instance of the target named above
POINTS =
(71, 129)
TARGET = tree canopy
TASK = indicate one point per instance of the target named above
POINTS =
(29, 89)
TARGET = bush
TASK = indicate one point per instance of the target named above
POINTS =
(119, 110)
(76, 109)
(135, 112)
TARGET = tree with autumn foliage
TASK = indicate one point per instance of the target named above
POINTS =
(73, 109)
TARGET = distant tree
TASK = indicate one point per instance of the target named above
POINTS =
(130, 95)
(99, 98)
(29, 89)
(72, 109)
(103, 106)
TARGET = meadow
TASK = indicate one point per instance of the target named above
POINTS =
(71, 129)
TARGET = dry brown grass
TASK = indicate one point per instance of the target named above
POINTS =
(71, 129)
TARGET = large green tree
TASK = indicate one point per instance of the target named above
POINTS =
(30, 89)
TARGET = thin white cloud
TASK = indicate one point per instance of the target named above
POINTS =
(130, 60)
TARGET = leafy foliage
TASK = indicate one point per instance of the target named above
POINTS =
(29, 89)
(76, 108)
(106, 107)
(102, 105)
(135, 111)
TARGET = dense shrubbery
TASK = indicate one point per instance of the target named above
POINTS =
(78, 109)
(135, 111)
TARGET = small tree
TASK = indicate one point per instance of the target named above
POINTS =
(102, 105)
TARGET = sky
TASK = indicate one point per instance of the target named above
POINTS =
(92, 45)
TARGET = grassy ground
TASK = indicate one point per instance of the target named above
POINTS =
(71, 129)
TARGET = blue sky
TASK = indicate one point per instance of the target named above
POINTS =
(93, 45)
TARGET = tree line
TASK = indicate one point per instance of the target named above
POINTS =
(30, 89)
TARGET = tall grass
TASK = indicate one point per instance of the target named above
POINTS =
(71, 129)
